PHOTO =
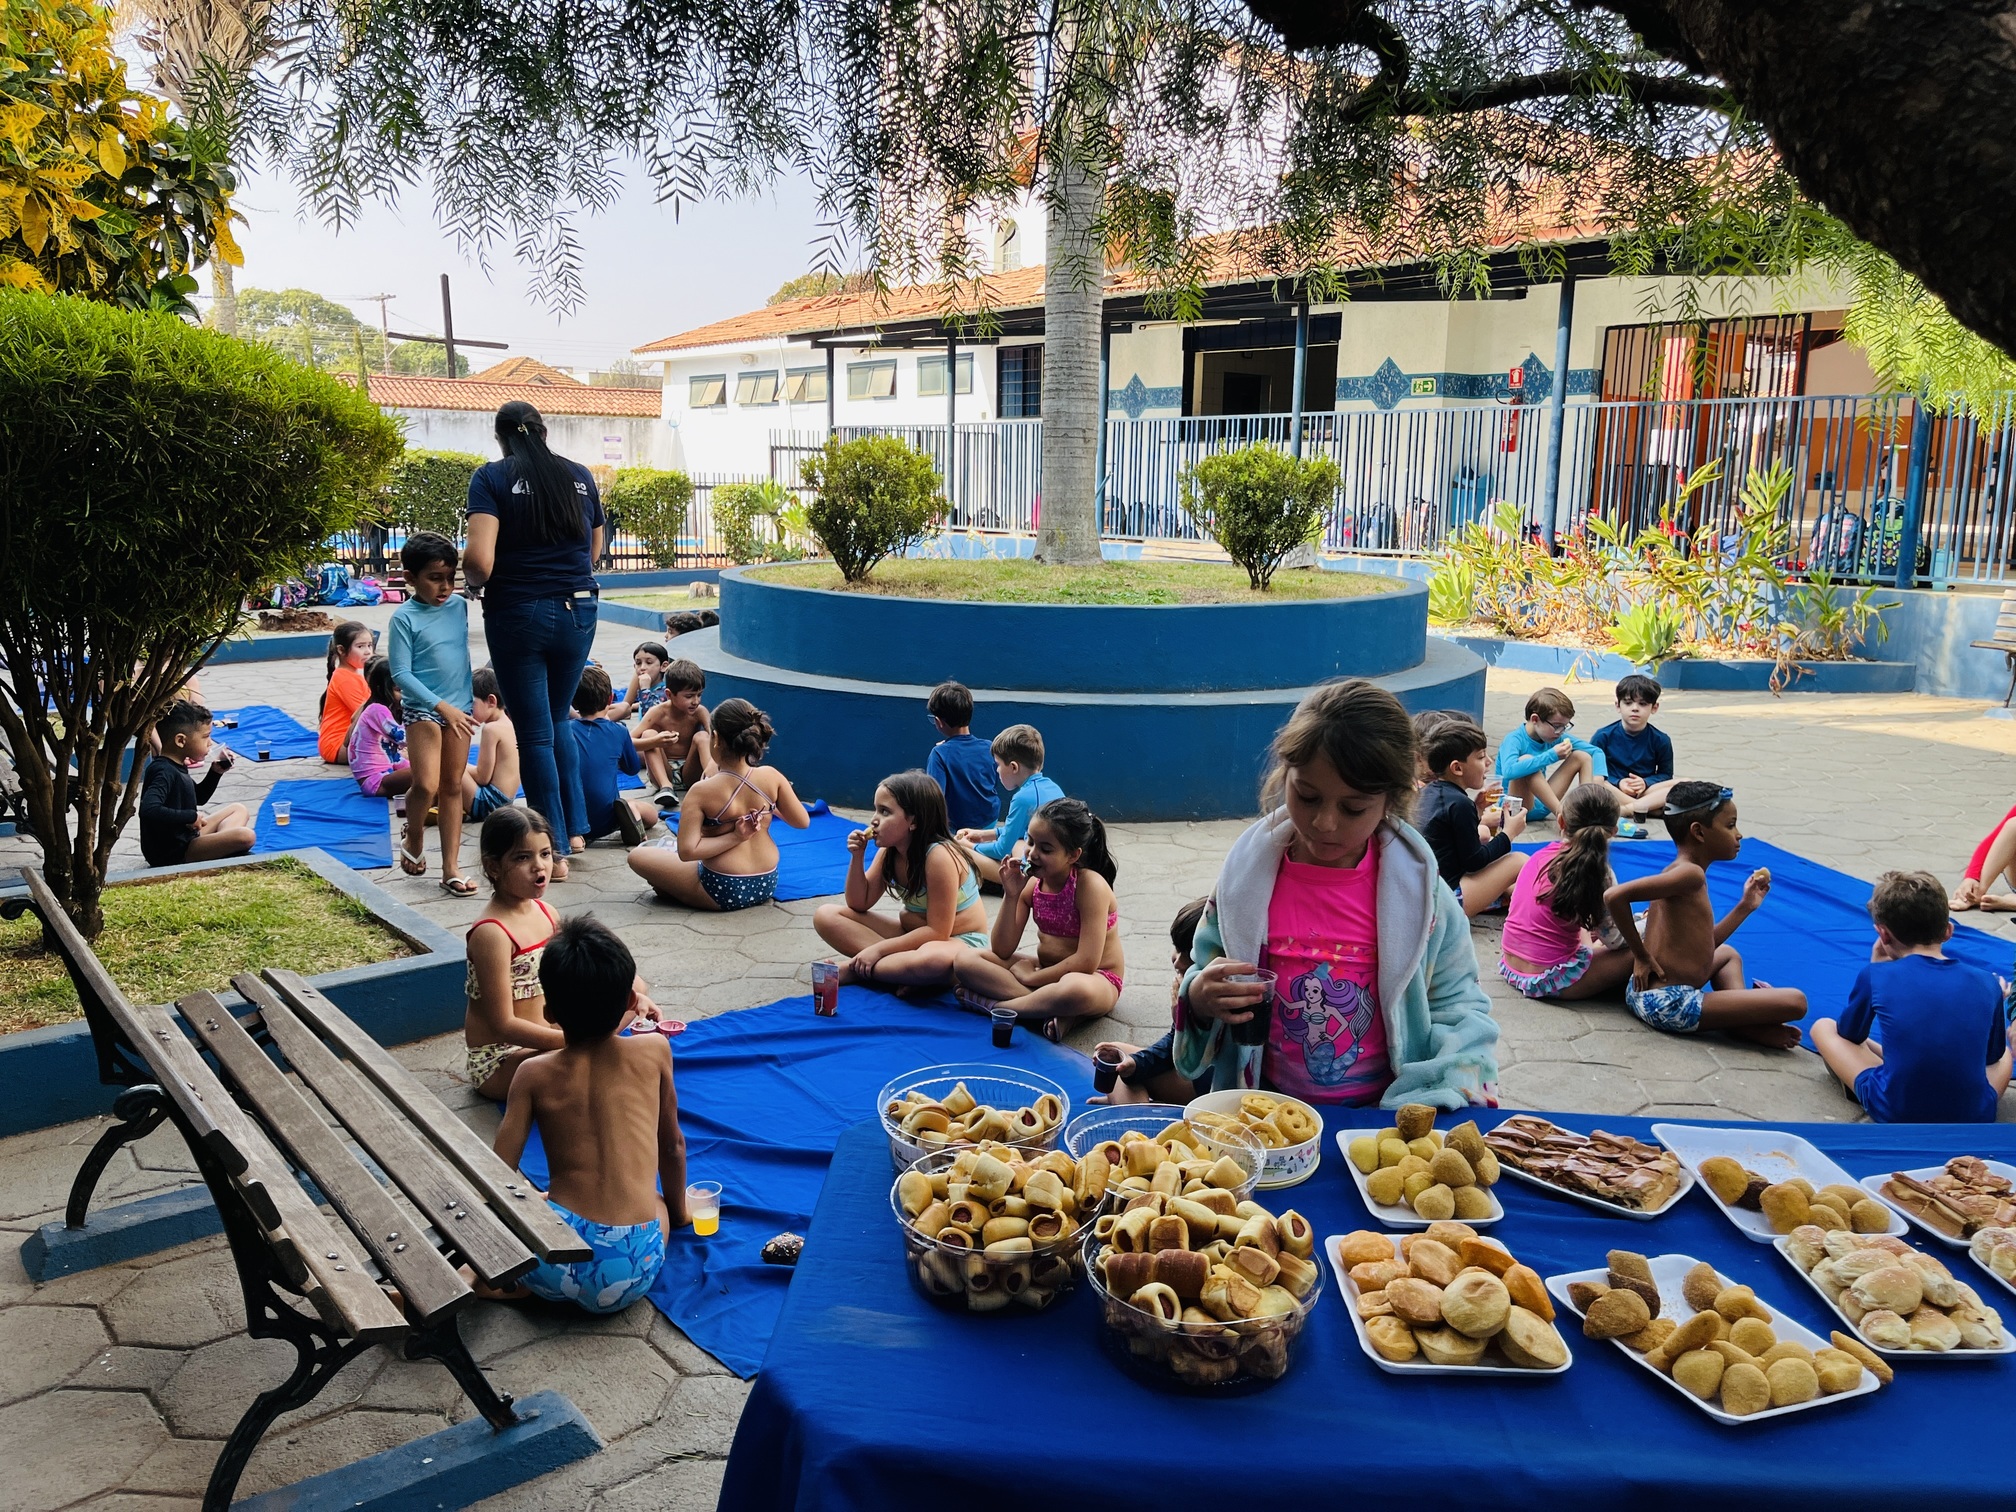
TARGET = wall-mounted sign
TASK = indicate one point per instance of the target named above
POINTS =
(1424, 386)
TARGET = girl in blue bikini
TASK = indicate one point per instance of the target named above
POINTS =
(726, 859)
(932, 877)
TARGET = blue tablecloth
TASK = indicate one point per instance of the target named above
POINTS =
(1813, 931)
(871, 1399)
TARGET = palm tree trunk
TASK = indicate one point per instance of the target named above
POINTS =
(1074, 279)
(224, 307)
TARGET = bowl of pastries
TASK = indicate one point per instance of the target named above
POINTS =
(995, 1228)
(1447, 1301)
(1166, 1148)
(947, 1107)
(1207, 1294)
(1900, 1301)
(1290, 1131)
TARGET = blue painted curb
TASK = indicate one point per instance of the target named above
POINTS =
(613, 613)
(456, 1467)
(1041, 649)
(125, 1232)
(1688, 673)
(656, 577)
(262, 648)
(50, 1076)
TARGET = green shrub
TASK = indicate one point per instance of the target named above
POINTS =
(1259, 504)
(1647, 634)
(752, 519)
(651, 505)
(428, 490)
(151, 476)
(1452, 592)
(877, 497)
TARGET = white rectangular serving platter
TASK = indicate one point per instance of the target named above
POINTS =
(1873, 1185)
(2006, 1284)
(1615, 1209)
(1771, 1153)
(1333, 1246)
(1398, 1214)
(1668, 1272)
(1784, 1247)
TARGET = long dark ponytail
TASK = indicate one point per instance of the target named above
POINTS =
(1077, 828)
(556, 496)
(1579, 874)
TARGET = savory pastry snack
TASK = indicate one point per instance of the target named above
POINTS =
(1440, 1177)
(1795, 1202)
(1726, 1352)
(1202, 1154)
(1994, 1249)
(1208, 1302)
(1960, 1201)
(958, 1118)
(993, 1225)
(1276, 1121)
(1899, 1299)
(1452, 1298)
(1613, 1168)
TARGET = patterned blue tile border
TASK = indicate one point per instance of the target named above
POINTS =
(1137, 398)
(1387, 386)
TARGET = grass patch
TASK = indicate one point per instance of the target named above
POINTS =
(1026, 582)
(163, 940)
(668, 600)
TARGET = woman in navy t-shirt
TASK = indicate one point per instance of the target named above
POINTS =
(535, 529)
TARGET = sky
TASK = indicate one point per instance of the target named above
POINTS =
(646, 273)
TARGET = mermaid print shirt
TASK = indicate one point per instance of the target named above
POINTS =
(1328, 1039)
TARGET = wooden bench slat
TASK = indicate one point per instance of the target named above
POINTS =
(513, 1197)
(365, 1311)
(427, 1281)
(436, 1188)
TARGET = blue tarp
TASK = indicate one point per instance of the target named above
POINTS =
(290, 738)
(332, 812)
(764, 1095)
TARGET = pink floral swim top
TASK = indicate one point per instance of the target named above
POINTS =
(1056, 914)
(525, 959)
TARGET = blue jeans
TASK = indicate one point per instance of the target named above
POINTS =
(538, 648)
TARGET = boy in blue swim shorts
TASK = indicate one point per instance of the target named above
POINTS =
(1685, 975)
(606, 1110)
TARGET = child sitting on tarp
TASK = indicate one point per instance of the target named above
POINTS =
(608, 1115)
(1919, 1027)
(1018, 770)
(596, 806)
(173, 826)
(492, 782)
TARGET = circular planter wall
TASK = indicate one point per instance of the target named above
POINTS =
(1073, 648)
(1175, 722)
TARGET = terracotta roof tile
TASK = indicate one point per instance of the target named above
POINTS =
(524, 370)
(402, 391)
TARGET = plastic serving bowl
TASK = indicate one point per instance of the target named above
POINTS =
(1287, 1166)
(1003, 1087)
(967, 1281)
(1097, 1125)
(1189, 1357)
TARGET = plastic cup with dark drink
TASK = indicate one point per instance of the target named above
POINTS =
(1254, 1030)
(265, 750)
(1105, 1068)
(825, 988)
(1004, 1026)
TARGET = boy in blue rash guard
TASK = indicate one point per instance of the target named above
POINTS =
(1923, 1039)
(596, 805)
(1018, 769)
(961, 762)
(1539, 761)
(1640, 757)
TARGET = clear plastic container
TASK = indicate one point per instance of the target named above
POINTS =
(1004, 1087)
(971, 1281)
(1095, 1126)
(1226, 1359)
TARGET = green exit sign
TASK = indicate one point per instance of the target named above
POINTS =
(1424, 386)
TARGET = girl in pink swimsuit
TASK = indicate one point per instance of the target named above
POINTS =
(1064, 883)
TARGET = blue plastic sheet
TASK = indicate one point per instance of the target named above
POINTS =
(332, 812)
(1813, 931)
(289, 738)
(764, 1095)
(871, 1397)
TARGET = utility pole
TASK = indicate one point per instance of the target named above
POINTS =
(447, 338)
(384, 332)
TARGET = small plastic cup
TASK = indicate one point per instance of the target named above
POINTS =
(703, 1206)
(1254, 1030)
(283, 812)
(1105, 1068)
(1004, 1026)
(265, 750)
(826, 988)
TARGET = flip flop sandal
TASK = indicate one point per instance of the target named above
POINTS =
(411, 864)
(458, 887)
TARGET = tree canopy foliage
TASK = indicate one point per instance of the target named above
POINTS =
(102, 193)
(319, 332)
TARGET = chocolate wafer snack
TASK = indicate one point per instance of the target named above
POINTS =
(1613, 1168)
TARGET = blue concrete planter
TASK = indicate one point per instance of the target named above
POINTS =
(1065, 648)
(656, 577)
(1689, 673)
(50, 1076)
(261, 648)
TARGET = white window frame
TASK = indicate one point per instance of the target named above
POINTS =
(694, 391)
(931, 375)
(798, 383)
(861, 378)
(746, 385)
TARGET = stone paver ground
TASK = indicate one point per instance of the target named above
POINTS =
(119, 1384)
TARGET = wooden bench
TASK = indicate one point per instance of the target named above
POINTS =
(2004, 639)
(432, 1197)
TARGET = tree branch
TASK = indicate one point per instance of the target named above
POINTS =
(1642, 89)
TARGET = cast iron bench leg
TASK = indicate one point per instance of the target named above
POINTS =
(442, 1341)
(139, 1111)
